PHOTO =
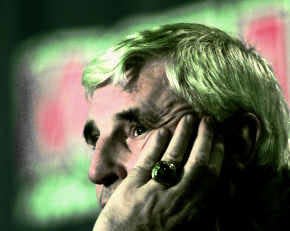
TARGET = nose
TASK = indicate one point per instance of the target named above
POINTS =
(105, 167)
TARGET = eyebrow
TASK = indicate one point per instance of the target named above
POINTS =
(147, 118)
(131, 115)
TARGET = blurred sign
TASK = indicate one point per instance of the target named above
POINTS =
(268, 34)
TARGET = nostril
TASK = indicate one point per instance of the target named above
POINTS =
(110, 179)
(106, 174)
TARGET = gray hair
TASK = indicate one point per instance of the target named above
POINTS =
(217, 74)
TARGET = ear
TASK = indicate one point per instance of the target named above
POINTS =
(241, 135)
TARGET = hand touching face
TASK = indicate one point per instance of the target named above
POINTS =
(121, 123)
(142, 203)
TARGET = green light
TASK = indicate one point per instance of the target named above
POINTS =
(60, 194)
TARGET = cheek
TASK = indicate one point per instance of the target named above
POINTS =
(136, 146)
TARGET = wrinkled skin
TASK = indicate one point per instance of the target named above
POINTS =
(160, 125)
(140, 203)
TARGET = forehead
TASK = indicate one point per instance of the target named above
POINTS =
(151, 88)
(110, 99)
(152, 79)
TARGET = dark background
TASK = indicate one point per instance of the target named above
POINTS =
(19, 20)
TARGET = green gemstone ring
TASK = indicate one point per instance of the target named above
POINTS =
(165, 173)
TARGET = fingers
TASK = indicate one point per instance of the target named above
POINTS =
(200, 152)
(207, 150)
(177, 150)
(206, 155)
(151, 153)
(178, 145)
(217, 156)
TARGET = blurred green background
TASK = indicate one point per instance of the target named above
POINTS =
(45, 45)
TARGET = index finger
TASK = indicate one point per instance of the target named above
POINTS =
(151, 153)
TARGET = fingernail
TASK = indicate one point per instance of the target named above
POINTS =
(163, 132)
(188, 118)
(210, 122)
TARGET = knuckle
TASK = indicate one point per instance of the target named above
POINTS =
(173, 154)
(138, 169)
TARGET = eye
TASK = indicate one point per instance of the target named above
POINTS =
(91, 134)
(138, 130)
(93, 140)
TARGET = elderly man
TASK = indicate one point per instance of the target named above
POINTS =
(189, 130)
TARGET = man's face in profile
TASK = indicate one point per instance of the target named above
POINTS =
(121, 122)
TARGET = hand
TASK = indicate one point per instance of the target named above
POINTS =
(141, 203)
